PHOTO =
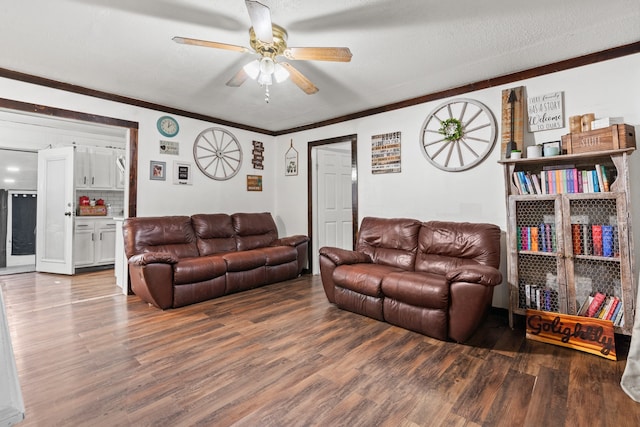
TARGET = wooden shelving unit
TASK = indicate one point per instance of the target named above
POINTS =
(566, 269)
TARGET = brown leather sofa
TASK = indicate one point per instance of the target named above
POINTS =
(180, 260)
(435, 278)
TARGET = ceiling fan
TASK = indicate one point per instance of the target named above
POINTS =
(270, 42)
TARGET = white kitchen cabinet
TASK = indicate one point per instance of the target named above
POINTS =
(94, 242)
(94, 168)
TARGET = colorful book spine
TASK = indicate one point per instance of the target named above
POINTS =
(607, 240)
(596, 236)
(533, 232)
(576, 239)
(598, 299)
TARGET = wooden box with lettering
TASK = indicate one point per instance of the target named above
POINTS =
(588, 334)
(609, 138)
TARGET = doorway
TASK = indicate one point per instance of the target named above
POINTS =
(18, 183)
(333, 194)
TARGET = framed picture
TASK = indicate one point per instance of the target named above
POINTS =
(182, 173)
(157, 170)
(254, 182)
(291, 161)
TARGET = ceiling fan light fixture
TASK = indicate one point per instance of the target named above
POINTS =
(252, 69)
(280, 73)
(265, 79)
(267, 65)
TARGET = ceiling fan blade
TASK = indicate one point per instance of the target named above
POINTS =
(339, 54)
(299, 79)
(237, 80)
(260, 16)
(205, 43)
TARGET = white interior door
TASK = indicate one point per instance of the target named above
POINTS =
(54, 241)
(334, 212)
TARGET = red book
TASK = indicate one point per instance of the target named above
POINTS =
(616, 301)
(598, 299)
(596, 237)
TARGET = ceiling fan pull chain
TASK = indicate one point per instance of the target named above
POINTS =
(266, 93)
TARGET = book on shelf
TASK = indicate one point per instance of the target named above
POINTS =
(537, 239)
(567, 179)
(596, 236)
(597, 301)
(604, 307)
(540, 297)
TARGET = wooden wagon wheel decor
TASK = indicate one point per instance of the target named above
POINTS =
(217, 153)
(458, 134)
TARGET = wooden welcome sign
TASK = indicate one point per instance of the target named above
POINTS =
(586, 334)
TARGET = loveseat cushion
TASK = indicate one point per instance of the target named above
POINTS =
(192, 270)
(445, 246)
(214, 232)
(362, 278)
(417, 289)
(254, 230)
(389, 241)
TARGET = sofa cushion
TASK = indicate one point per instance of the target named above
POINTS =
(254, 230)
(276, 255)
(389, 241)
(192, 270)
(214, 232)
(444, 246)
(172, 234)
(417, 289)
(362, 278)
(244, 260)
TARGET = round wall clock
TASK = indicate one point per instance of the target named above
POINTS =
(168, 126)
(458, 134)
(217, 153)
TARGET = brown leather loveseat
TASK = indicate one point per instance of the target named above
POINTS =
(435, 278)
(180, 260)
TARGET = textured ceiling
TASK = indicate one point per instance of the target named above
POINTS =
(401, 49)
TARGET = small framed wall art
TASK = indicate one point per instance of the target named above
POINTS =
(291, 161)
(254, 182)
(157, 170)
(182, 173)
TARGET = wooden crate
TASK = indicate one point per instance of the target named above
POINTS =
(92, 210)
(609, 138)
(594, 336)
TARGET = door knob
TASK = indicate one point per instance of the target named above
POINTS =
(67, 214)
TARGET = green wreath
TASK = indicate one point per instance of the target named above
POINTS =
(451, 129)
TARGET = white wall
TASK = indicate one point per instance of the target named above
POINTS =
(422, 191)
(163, 197)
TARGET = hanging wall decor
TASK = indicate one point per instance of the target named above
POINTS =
(217, 153)
(157, 170)
(182, 173)
(258, 156)
(545, 112)
(254, 182)
(458, 134)
(291, 161)
(385, 153)
(170, 147)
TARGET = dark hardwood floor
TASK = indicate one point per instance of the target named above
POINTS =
(281, 355)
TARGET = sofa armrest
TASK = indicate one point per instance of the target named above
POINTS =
(482, 274)
(343, 256)
(291, 240)
(153, 257)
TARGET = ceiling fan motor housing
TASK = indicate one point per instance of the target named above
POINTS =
(270, 50)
